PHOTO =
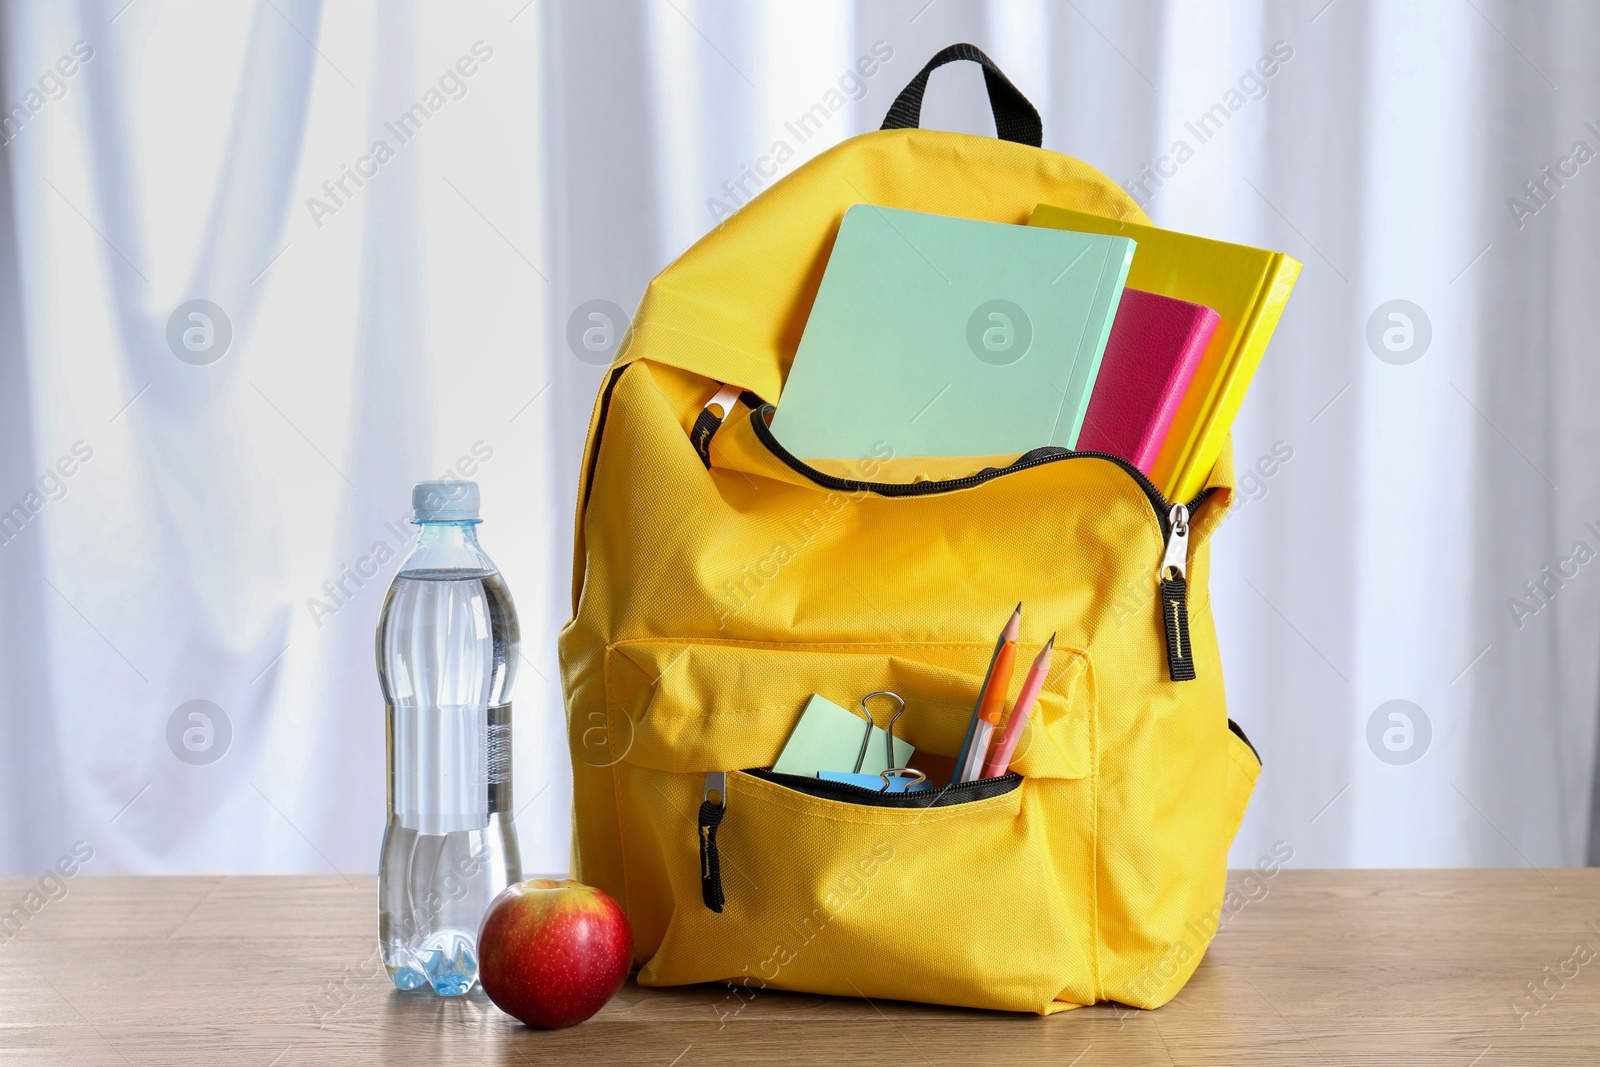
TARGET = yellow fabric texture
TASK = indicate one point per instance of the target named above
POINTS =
(709, 604)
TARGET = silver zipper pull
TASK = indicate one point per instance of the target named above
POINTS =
(716, 792)
(1177, 558)
(1173, 582)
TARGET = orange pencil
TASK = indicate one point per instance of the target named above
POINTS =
(1001, 760)
(993, 701)
(994, 698)
(1012, 630)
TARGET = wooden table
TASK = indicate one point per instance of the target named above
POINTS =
(1330, 967)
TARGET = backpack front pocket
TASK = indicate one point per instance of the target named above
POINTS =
(980, 894)
(986, 902)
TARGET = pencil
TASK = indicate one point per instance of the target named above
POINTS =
(1013, 627)
(991, 698)
(1000, 762)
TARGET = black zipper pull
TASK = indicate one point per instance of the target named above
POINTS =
(1174, 581)
(710, 419)
(713, 805)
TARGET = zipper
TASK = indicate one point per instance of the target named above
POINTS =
(1173, 579)
(599, 432)
(1036, 458)
(718, 408)
(1173, 519)
(714, 805)
(964, 793)
(1233, 728)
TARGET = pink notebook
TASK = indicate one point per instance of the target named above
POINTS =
(1155, 345)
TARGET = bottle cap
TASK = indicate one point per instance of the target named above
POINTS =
(444, 502)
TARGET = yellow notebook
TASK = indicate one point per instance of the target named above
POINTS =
(1246, 287)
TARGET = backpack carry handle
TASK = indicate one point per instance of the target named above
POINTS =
(1014, 118)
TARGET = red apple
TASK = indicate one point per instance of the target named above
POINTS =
(551, 953)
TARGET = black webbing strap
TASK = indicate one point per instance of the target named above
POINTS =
(1014, 118)
(708, 422)
(710, 861)
(1175, 620)
(700, 434)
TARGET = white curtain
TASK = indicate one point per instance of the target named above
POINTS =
(1415, 450)
(230, 536)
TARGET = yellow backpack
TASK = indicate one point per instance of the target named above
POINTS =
(719, 582)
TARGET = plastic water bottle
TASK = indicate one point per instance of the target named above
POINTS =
(447, 650)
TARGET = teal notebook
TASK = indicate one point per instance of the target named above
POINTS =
(939, 336)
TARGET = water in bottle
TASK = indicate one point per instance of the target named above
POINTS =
(447, 651)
